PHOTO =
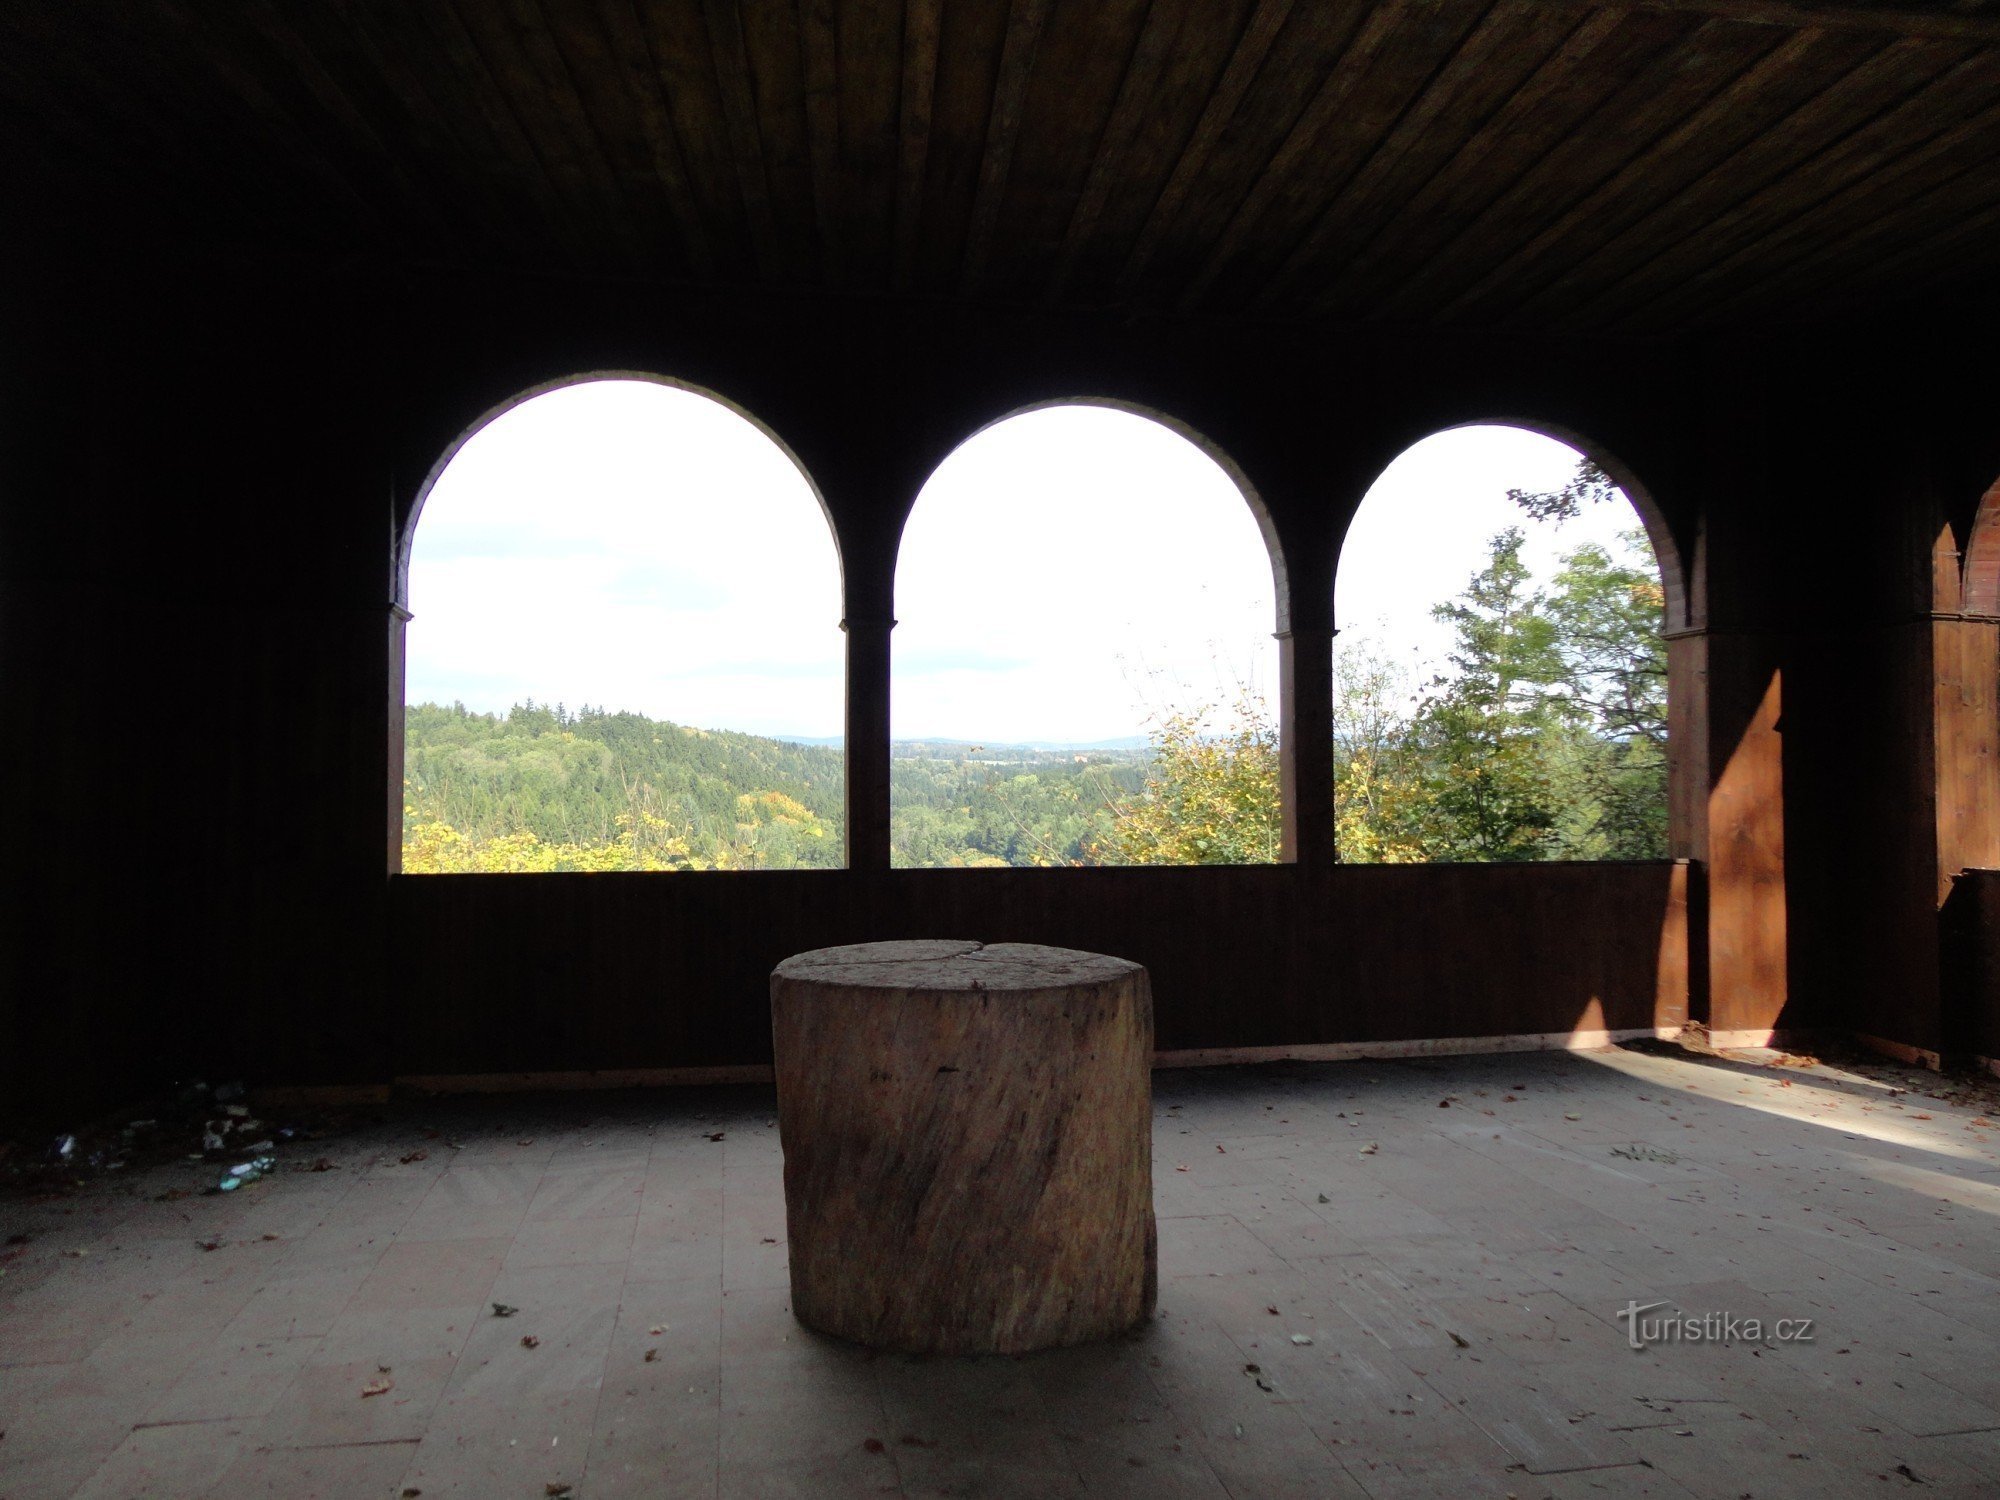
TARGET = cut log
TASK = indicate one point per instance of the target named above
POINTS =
(967, 1133)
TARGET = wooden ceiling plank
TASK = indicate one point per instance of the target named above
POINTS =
(76, 105)
(732, 77)
(1758, 96)
(678, 44)
(1288, 100)
(778, 88)
(1135, 97)
(1907, 262)
(622, 65)
(1466, 185)
(500, 138)
(819, 60)
(307, 58)
(1371, 54)
(1081, 64)
(1497, 60)
(444, 135)
(277, 134)
(921, 26)
(1845, 150)
(1246, 60)
(541, 98)
(1025, 19)
(970, 43)
(1882, 195)
(582, 81)
(869, 35)
(1876, 84)
(1647, 99)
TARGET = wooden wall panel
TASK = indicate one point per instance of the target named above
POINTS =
(542, 973)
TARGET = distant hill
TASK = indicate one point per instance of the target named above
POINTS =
(548, 788)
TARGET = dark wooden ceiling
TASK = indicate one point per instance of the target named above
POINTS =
(1641, 167)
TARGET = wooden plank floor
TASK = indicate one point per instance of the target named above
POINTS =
(1378, 1279)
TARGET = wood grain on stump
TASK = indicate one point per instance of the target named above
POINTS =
(968, 1143)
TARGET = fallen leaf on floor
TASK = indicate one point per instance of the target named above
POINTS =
(1444, 1104)
(417, 1155)
(1301, 1339)
(1572, 1117)
(1272, 1311)
(76, 1254)
(527, 1141)
(529, 1341)
(1463, 1343)
(209, 1244)
(657, 1329)
(502, 1310)
(716, 1135)
(556, 1491)
(910, 1441)
(875, 1445)
(769, 1241)
(1324, 1199)
(1253, 1369)
(1224, 1152)
(652, 1355)
(1371, 1148)
(1181, 1168)
(378, 1387)
(411, 1493)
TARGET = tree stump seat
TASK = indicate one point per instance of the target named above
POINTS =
(967, 1133)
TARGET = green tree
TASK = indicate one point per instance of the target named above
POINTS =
(1209, 798)
(1612, 767)
(1481, 731)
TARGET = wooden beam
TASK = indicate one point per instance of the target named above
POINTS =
(1025, 19)
(1916, 20)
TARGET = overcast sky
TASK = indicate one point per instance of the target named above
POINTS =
(1063, 575)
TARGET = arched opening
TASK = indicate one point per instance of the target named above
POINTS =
(1083, 670)
(1980, 590)
(622, 649)
(1501, 679)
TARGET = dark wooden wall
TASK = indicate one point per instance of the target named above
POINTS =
(500, 973)
(205, 478)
